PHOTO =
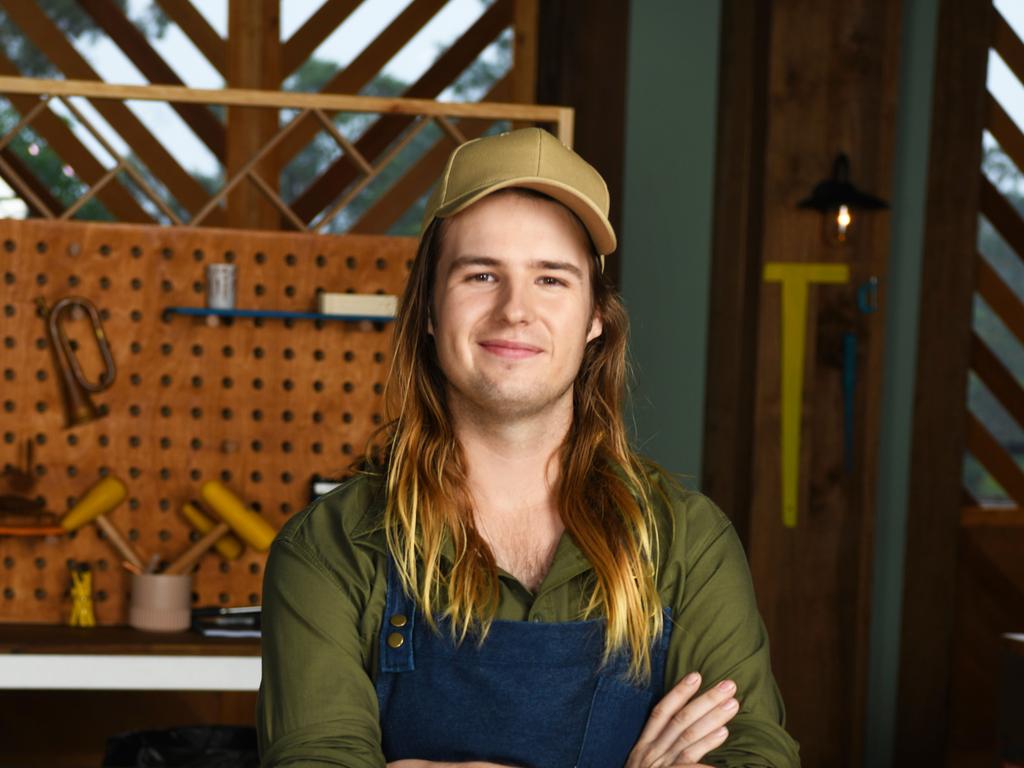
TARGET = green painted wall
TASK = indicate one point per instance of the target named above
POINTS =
(667, 218)
(901, 295)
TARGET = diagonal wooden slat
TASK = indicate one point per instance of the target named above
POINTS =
(133, 43)
(364, 67)
(199, 31)
(1001, 298)
(118, 200)
(1008, 46)
(998, 378)
(1005, 131)
(994, 458)
(21, 179)
(123, 165)
(390, 206)
(997, 209)
(38, 27)
(359, 186)
(310, 35)
(378, 137)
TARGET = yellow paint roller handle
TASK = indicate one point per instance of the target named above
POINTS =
(98, 500)
(246, 523)
(229, 547)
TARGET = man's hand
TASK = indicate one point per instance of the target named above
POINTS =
(679, 731)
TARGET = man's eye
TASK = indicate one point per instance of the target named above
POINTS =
(546, 280)
(481, 277)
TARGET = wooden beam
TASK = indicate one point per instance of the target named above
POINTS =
(133, 43)
(317, 28)
(117, 199)
(30, 189)
(997, 378)
(976, 516)
(1003, 216)
(198, 29)
(403, 105)
(575, 40)
(524, 56)
(939, 437)
(389, 207)
(1005, 131)
(365, 67)
(1001, 298)
(376, 139)
(1008, 45)
(736, 258)
(254, 61)
(995, 459)
(38, 27)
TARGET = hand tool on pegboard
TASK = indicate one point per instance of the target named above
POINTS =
(74, 387)
(234, 516)
(101, 498)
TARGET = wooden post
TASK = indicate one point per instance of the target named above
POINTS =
(254, 61)
(940, 423)
(802, 82)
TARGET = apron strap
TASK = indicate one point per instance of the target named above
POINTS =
(396, 633)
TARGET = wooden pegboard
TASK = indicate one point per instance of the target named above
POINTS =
(261, 405)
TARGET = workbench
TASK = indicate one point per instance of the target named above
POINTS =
(51, 657)
(65, 690)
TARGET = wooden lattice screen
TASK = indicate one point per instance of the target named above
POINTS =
(994, 367)
(246, 142)
(261, 405)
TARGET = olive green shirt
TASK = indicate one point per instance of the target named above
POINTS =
(323, 603)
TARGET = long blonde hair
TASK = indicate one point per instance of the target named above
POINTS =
(603, 493)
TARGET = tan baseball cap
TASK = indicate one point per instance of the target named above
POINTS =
(531, 158)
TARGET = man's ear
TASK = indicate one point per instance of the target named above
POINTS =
(596, 327)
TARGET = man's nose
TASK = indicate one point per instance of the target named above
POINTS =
(514, 302)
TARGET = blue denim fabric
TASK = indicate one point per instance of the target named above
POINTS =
(534, 694)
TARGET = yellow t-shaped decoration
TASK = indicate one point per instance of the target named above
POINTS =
(795, 277)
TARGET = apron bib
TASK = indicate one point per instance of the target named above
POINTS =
(534, 694)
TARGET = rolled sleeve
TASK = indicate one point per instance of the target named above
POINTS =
(719, 633)
(317, 704)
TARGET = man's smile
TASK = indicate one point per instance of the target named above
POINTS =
(514, 350)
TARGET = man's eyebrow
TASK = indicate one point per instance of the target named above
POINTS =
(461, 262)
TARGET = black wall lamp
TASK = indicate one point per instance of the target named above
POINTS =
(839, 202)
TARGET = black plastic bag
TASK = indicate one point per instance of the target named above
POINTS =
(201, 746)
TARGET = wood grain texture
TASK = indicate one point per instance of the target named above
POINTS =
(254, 62)
(939, 434)
(736, 259)
(831, 89)
(582, 56)
(261, 405)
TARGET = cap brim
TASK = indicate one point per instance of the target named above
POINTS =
(593, 218)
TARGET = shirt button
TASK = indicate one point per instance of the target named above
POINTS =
(395, 640)
(537, 619)
(399, 620)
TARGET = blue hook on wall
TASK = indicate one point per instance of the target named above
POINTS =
(867, 303)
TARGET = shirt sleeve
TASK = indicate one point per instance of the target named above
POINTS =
(317, 705)
(718, 632)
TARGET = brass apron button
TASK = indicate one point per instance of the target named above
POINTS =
(395, 640)
(399, 620)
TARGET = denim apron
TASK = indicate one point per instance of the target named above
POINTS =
(534, 694)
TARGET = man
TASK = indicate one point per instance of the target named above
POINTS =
(510, 584)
